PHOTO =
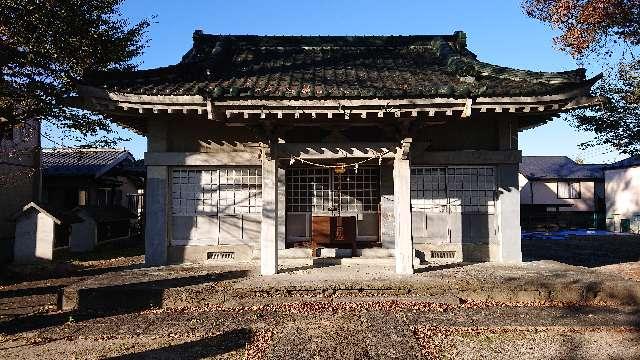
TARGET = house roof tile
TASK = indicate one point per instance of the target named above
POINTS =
(81, 162)
(558, 167)
(299, 67)
(632, 161)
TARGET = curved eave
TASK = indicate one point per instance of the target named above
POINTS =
(128, 108)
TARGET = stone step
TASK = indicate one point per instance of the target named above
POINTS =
(333, 256)
(333, 252)
(332, 261)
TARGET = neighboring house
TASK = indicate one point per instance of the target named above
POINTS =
(89, 177)
(253, 143)
(85, 200)
(622, 186)
(19, 177)
(101, 184)
(557, 193)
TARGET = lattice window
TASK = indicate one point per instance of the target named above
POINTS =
(321, 190)
(216, 191)
(453, 189)
(429, 189)
(308, 190)
(357, 192)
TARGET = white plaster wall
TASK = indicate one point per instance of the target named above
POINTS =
(128, 187)
(622, 192)
(545, 193)
(525, 190)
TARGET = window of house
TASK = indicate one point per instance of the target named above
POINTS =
(104, 197)
(83, 197)
(568, 190)
(6, 133)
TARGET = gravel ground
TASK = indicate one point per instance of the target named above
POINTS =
(629, 270)
(298, 327)
(347, 331)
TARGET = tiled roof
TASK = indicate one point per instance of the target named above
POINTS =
(81, 162)
(558, 167)
(625, 163)
(361, 67)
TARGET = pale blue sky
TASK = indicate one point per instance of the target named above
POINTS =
(497, 31)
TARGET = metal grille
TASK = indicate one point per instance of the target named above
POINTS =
(227, 255)
(321, 190)
(453, 189)
(216, 191)
(438, 254)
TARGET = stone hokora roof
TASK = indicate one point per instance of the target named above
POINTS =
(244, 67)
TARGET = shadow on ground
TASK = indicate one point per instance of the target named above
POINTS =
(199, 349)
(109, 257)
(110, 300)
(589, 251)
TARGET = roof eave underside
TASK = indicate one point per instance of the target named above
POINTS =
(131, 110)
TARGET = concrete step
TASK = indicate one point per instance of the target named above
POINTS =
(333, 256)
(297, 253)
(332, 261)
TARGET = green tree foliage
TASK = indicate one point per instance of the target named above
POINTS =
(47, 46)
(608, 32)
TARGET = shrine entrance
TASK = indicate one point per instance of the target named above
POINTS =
(333, 208)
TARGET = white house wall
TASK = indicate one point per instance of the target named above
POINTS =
(546, 193)
(622, 192)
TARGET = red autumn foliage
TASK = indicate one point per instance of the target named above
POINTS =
(585, 24)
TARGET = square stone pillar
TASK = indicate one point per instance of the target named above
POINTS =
(269, 225)
(508, 211)
(402, 211)
(157, 216)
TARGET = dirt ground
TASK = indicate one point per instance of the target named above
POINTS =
(32, 324)
(629, 270)
(349, 331)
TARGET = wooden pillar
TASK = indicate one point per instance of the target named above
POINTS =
(269, 225)
(402, 210)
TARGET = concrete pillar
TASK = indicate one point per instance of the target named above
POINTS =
(282, 194)
(387, 216)
(508, 211)
(269, 225)
(157, 219)
(402, 216)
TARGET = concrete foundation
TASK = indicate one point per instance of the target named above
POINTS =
(202, 254)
